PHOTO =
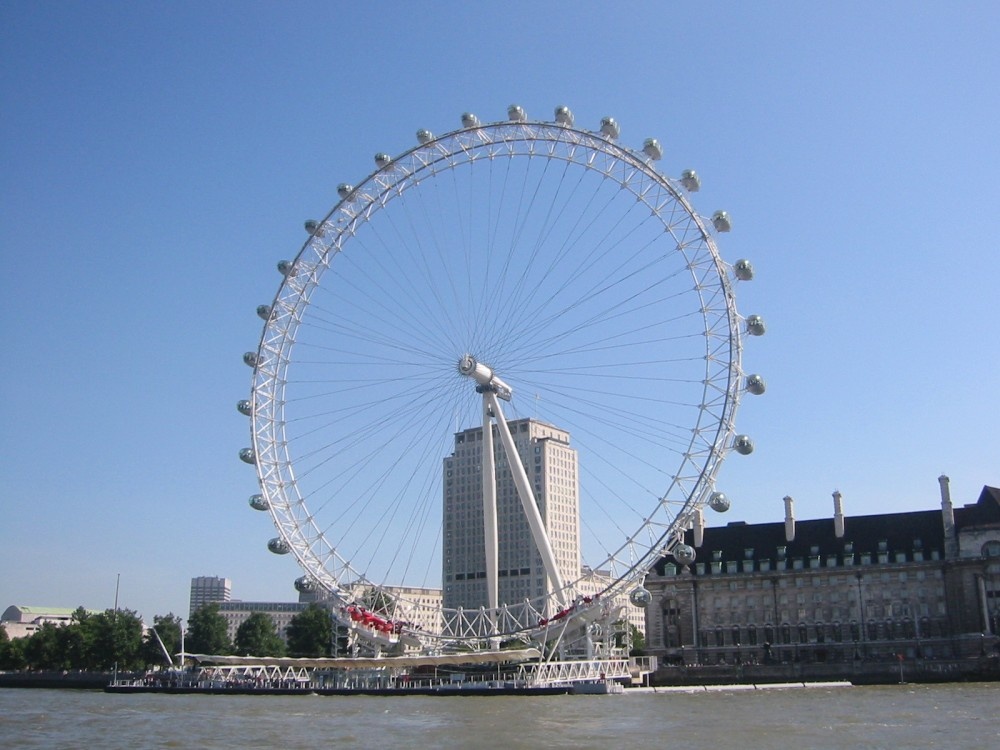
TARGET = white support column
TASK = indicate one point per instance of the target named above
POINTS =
(527, 497)
(490, 510)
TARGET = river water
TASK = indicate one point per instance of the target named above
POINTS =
(904, 716)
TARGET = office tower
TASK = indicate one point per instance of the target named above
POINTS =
(552, 469)
(207, 589)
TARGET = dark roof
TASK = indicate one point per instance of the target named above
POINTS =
(985, 512)
(901, 532)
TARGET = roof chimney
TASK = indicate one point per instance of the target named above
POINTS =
(838, 515)
(948, 518)
(789, 519)
(699, 528)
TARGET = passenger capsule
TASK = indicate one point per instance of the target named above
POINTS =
(285, 267)
(264, 312)
(755, 325)
(721, 221)
(564, 116)
(684, 554)
(743, 445)
(610, 128)
(424, 136)
(469, 120)
(248, 455)
(305, 585)
(257, 502)
(743, 270)
(312, 226)
(756, 385)
(278, 546)
(640, 597)
(382, 160)
(718, 502)
(516, 113)
(690, 181)
(344, 190)
(651, 148)
(250, 359)
(244, 407)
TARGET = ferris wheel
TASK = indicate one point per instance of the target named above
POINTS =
(496, 384)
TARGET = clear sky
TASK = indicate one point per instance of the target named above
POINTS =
(157, 159)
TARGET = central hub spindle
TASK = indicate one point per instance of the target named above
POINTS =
(484, 377)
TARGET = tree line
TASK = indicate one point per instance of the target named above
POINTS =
(113, 639)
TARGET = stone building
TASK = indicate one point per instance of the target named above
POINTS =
(918, 585)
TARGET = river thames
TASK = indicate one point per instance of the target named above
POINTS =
(903, 716)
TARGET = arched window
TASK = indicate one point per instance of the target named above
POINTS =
(752, 635)
(991, 548)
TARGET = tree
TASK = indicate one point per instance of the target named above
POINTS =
(636, 640)
(168, 628)
(12, 653)
(310, 632)
(117, 639)
(256, 636)
(207, 632)
(42, 649)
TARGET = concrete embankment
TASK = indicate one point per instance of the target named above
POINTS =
(61, 680)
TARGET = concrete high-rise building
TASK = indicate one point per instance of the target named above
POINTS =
(552, 469)
(208, 589)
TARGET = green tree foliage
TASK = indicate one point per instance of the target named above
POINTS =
(95, 642)
(42, 649)
(638, 641)
(379, 601)
(12, 651)
(634, 639)
(117, 640)
(207, 632)
(257, 636)
(310, 632)
(168, 628)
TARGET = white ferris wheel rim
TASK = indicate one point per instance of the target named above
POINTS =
(692, 481)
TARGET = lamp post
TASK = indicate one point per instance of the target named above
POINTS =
(114, 630)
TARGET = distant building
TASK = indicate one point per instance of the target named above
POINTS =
(20, 621)
(281, 614)
(208, 590)
(914, 585)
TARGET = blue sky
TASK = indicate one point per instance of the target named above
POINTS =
(159, 158)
